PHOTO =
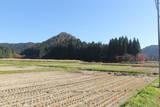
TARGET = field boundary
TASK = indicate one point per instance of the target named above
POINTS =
(145, 97)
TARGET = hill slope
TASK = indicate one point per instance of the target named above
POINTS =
(66, 46)
(151, 52)
(17, 47)
(44, 49)
(7, 53)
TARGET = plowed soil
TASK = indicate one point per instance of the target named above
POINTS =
(67, 89)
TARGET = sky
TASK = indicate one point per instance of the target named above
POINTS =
(89, 20)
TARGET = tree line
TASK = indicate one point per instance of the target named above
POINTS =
(6, 52)
(65, 46)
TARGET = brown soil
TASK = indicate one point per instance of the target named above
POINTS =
(67, 89)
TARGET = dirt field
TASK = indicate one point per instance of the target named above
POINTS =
(38, 60)
(11, 68)
(67, 89)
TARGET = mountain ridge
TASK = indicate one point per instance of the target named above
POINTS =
(41, 49)
(66, 46)
(151, 52)
(7, 53)
(17, 47)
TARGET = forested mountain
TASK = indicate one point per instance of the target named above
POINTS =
(40, 50)
(7, 53)
(66, 46)
(17, 47)
(151, 52)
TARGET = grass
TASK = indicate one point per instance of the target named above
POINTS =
(26, 71)
(94, 68)
(151, 65)
(147, 97)
(113, 70)
(69, 66)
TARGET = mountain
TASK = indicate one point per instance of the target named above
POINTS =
(17, 47)
(66, 46)
(7, 53)
(61, 38)
(151, 52)
(44, 49)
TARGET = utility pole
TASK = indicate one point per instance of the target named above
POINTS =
(158, 24)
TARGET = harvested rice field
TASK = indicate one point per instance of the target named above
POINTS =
(58, 86)
(67, 89)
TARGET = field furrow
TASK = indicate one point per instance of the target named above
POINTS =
(67, 89)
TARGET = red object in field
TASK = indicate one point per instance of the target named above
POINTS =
(130, 58)
(141, 58)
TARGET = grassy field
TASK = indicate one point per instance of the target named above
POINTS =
(40, 66)
(147, 97)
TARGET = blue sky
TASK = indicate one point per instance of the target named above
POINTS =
(89, 20)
